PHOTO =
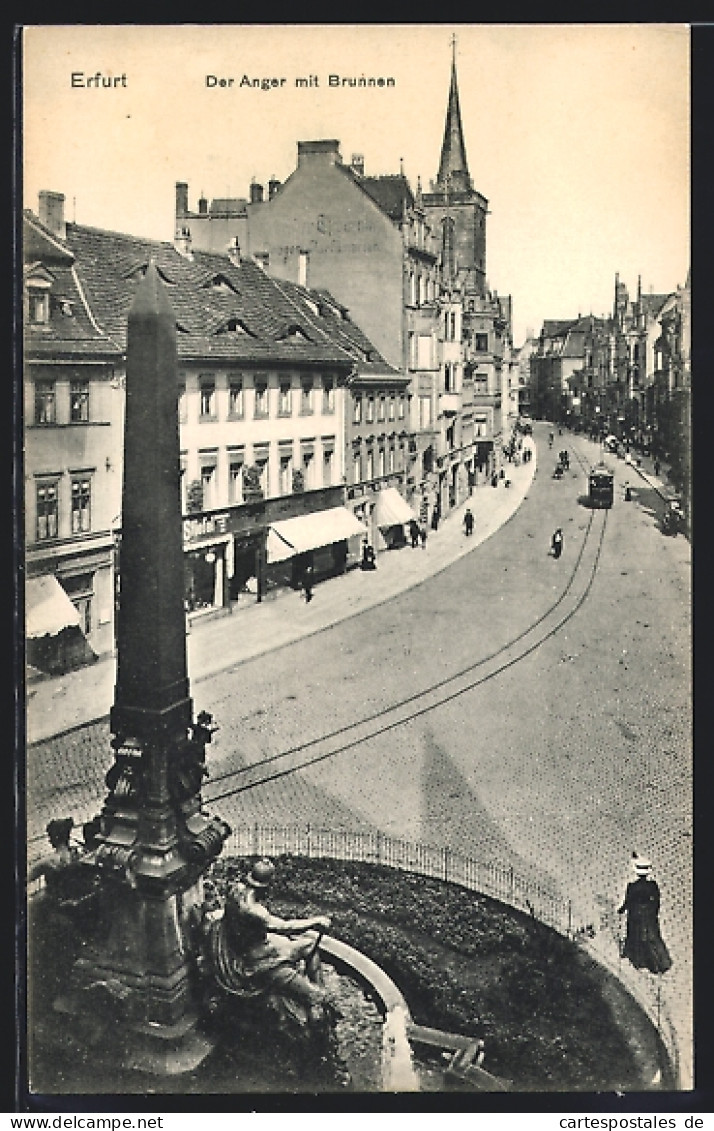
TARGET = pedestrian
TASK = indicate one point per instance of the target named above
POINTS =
(414, 533)
(643, 945)
(423, 536)
(656, 466)
(468, 522)
(436, 515)
(368, 557)
(308, 580)
(556, 543)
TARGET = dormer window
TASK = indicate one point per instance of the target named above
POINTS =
(38, 307)
(234, 326)
(295, 333)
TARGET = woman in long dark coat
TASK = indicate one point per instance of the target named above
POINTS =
(644, 945)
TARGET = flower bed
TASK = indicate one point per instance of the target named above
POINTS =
(468, 964)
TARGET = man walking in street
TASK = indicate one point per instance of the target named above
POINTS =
(556, 543)
(308, 580)
(468, 522)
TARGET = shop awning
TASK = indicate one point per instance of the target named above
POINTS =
(391, 508)
(48, 609)
(309, 531)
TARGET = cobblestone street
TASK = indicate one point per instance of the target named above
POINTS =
(560, 765)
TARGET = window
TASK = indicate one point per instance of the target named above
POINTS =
(370, 464)
(79, 402)
(328, 459)
(235, 476)
(284, 399)
(328, 394)
(424, 412)
(235, 397)
(286, 483)
(356, 466)
(39, 308)
(382, 408)
(391, 459)
(370, 410)
(308, 470)
(448, 378)
(401, 408)
(452, 326)
(481, 342)
(81, 505)
(306, 395)
(357, 411)
(382, 462)
(262, 465)
(412, 350)
(47, 511)
(208, 486)
(45, 402)
(261, 399)
(80, 590)
(208, 398)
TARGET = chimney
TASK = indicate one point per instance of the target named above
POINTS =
(256, 193)
(51, 212)
(273, 186)
(357, 164)
(182, 242)
(202, 206)
(234, 251)
(181, 199)
(303, 264)
(326, 152)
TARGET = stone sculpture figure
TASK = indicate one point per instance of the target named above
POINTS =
(253, 954)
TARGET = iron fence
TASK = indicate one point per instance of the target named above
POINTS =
(498, 881)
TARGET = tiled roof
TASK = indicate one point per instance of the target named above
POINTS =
(652, 304)
(390, 193)
(224, 311)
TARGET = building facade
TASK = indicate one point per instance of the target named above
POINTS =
(409, 266)
(266, 369)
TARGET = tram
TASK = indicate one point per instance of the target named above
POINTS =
(601, 487)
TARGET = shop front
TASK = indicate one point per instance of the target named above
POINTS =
(55, 640)
(393, 515)
(208, 564)
(327, 540)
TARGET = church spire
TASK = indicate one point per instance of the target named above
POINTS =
(453, 166)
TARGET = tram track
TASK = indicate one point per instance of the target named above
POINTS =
(426, 700)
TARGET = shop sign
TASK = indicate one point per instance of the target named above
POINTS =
(202, 526)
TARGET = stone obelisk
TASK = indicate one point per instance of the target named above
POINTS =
(155, 842)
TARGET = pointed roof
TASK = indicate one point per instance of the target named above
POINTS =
(453, 163)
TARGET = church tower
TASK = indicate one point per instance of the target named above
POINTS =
(453, 206)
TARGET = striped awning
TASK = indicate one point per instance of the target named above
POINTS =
(309, 531)
(48, 609)
(391, 508)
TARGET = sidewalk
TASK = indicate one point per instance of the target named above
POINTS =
(57, 704)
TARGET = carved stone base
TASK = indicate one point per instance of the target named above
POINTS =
(159, 1050)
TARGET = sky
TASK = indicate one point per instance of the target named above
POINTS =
(577, 134)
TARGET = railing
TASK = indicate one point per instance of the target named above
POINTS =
(500, 882)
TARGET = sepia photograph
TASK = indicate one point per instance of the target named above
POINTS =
(356, 567)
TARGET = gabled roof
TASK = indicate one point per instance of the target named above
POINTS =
(250, 317)
(390, 192)
(652, 304)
